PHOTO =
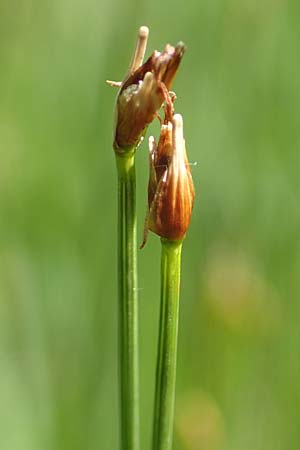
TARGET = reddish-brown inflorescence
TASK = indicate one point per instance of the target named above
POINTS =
(142, 93)
(170, 190)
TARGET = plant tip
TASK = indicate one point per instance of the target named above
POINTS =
(178, 126)
(144, 31)
(140, 48)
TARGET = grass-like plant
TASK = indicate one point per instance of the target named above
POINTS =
(125, 145)
(141, 94)
(171, 197)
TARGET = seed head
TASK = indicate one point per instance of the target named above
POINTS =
(170, 190)
(143, 91)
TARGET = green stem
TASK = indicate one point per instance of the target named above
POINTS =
(128, 307)
(167, 345)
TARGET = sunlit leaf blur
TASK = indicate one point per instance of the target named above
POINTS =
(238, 89)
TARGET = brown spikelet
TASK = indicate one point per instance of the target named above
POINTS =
(170, 190)
(143, 91)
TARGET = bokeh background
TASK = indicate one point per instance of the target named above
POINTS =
(239, 344)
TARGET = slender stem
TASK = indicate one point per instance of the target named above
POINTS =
(167, 345)
(128, 307)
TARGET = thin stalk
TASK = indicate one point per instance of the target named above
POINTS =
(167, 345)
(128, 307)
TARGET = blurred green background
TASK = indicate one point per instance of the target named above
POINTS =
(239, 344)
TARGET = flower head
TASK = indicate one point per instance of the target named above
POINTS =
(170, 190)
(143, 91)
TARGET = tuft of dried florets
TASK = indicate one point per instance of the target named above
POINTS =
(143, 91)
(171, 190)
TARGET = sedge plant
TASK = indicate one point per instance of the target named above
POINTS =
(170, 198)
(141, 94)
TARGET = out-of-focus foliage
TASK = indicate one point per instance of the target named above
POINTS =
(238, 89)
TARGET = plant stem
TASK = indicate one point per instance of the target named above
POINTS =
(128, 307)
(167, 345)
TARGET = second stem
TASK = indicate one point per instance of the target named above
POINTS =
(167, 345)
